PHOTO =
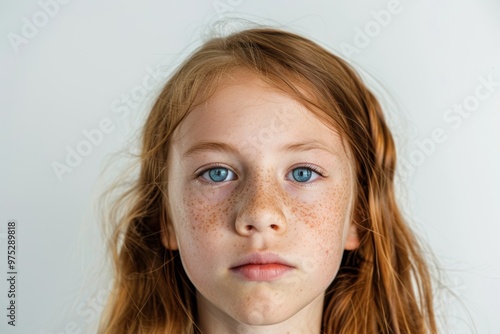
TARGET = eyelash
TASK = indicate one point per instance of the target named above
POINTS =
(314, 168)
(198, 175)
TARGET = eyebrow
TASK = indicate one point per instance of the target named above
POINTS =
(204, 146)
(216, 146)
(307, 146)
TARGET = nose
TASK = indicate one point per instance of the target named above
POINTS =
(261, 210)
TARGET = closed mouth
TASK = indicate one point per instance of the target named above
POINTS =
(261, 267)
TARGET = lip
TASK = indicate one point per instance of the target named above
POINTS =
(261, 267)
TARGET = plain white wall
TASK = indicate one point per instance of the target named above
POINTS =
(75, 68)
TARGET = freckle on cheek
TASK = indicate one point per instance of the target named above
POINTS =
(332, 210)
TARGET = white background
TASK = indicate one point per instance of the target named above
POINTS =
(72, 71)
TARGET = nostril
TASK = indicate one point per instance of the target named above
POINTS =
(275, 227)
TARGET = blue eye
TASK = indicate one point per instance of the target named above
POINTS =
(304, 174)
(218, 174)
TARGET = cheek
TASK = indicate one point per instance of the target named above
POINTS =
(200, 224)
(326, 211)
(322, 231)
(203, 212)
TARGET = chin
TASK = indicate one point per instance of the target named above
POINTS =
(263, 315)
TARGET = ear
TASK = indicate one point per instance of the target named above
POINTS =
(168, 236)
(352, 240)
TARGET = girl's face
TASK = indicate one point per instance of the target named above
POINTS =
(260, 194)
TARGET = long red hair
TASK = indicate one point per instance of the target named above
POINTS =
(383, 286)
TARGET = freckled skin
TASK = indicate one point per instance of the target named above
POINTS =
(262, 209)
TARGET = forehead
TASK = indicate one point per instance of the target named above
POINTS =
(246, 109)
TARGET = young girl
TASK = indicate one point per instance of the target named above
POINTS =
(265, 202)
